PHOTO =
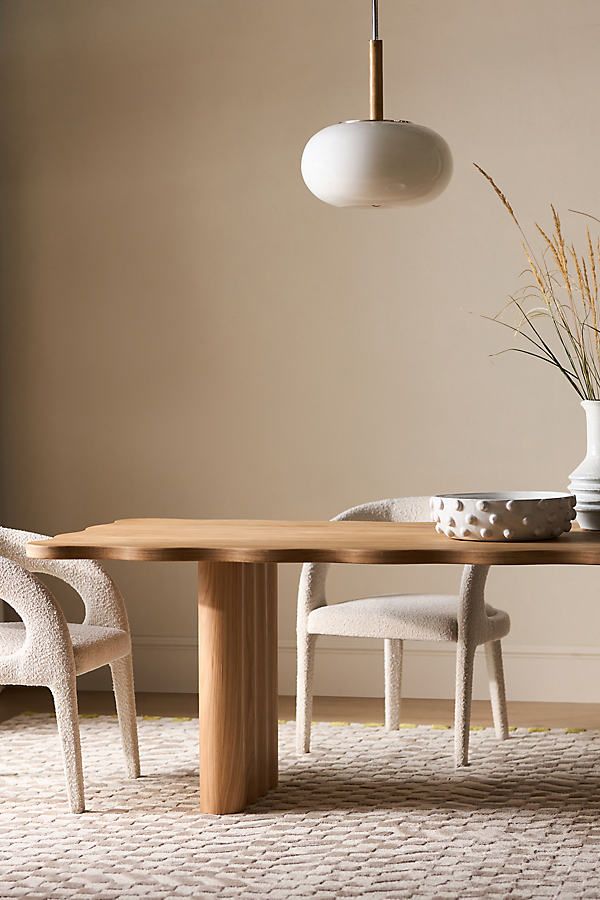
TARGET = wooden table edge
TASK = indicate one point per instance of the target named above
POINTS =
(472, 554)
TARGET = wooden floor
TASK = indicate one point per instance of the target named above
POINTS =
(14, 700)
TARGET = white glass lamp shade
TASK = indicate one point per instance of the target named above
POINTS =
(376, 163)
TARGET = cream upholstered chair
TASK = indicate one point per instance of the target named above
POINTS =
(465, 619)
(43, 649)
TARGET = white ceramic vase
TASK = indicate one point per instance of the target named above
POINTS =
(585, 480)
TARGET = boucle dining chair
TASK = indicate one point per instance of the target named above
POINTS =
(464, 619)
(43, 649)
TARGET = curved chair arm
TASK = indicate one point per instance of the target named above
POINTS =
(47, 647)
(472, 617)
(313, 577)
(102, 599)
(104, 604)
(311, 591)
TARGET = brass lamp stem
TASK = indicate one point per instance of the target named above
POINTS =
(376, 66)
(376, 79)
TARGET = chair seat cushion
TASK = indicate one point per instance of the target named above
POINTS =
(93, 645)
(424, 617)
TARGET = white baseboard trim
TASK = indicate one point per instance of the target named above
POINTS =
(543, 673)
(346, 669)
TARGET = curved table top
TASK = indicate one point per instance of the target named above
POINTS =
(259, 541)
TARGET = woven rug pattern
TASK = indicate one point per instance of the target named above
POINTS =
(367, 813)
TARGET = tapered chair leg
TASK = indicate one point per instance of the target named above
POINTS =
(122, 676)
(67, 719)
(304, 691)
(465, 655)
(392, 654)
(493, 655)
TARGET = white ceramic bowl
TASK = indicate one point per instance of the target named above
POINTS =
(503, 516)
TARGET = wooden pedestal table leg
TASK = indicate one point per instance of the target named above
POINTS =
(237, 606)
(272, 696)
(266, 676)
(251, 587)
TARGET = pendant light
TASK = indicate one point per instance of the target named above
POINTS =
(376, 162)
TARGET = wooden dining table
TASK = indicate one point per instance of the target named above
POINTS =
(237, 612)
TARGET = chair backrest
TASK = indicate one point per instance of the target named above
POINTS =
(396, 509)
(103, 602)
(13, 544)
(313, 577)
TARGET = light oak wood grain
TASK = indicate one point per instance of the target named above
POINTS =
(262, 726)
(237, 654)
(223, 776)
(289, 541)
(271, 698)
(376, 80)
(254, 747)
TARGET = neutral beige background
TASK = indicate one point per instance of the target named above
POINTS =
(187, 331)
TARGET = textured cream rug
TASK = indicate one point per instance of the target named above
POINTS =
(368, 813)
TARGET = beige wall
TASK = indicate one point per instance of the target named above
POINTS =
(187, 331)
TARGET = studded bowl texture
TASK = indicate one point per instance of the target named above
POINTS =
(504, 516)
